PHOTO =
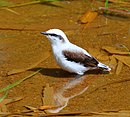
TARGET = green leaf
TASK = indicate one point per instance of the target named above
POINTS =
(106, 4)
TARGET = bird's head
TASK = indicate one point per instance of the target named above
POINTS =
(56, 36)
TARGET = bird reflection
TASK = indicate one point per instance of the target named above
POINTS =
(68, 91)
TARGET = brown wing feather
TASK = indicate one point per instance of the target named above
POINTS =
(80, 58)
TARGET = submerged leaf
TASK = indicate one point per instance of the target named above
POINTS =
(98, 54)
(8, 101)
(113, 50)
(94, 52)
(88, 17)
(15, 71)
(48, 95)
(103, 57)
(123, 59)
(119, 67)
(47, 107)
(113, 62)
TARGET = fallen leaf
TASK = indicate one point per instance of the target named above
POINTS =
(47, 107)
(123, 59)
(113, 50)
(8, 101)
(88, 17)
(48, 95)
(15, 71)
(119, 67)
(103, 57)
(3, 105)
(113, 62)
(94, 52)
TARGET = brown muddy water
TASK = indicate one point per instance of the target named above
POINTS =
(22, 45)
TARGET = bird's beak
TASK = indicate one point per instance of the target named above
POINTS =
(44, 33)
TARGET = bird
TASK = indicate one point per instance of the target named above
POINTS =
(71, 57)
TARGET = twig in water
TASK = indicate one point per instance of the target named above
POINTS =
(115, 12)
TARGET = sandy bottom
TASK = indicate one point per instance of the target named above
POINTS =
(22, 45)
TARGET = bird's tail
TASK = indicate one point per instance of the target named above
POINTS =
(104, 67)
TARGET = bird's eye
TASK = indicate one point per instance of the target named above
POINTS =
(60, 37)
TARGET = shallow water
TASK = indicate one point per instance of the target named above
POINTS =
(24, 46)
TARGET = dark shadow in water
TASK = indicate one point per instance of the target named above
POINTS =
(54, 72)
(59, 73)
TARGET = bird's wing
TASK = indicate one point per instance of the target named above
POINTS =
(80, 57)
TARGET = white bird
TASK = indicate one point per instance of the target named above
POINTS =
(70, 57)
